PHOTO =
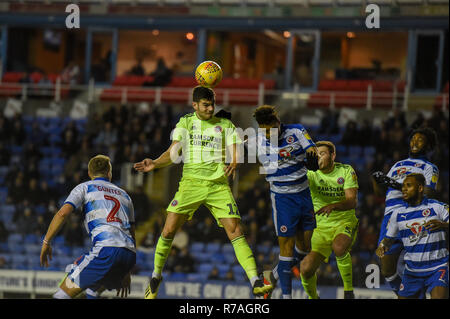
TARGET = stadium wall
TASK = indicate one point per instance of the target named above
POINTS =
(32, 283)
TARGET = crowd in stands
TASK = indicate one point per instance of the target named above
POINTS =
(41, 160)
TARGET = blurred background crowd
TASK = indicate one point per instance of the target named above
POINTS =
(42, 159)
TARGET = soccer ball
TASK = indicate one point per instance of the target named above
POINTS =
(208, 74)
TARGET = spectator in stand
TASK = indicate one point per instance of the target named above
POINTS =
(18, 133)
(73, 232)
(350, 134)
(69, 144)
(5, 155)
(229, 275)
(71, 73)
(184, 262)
(359, 273)
(214, 274)
(137, 69)
(142, 205)
(33, 193)
(41, 226)
(106, 137)
(364, 135)
(418, 121)
(4, 129)
(3, 232)
(329, 123)
(26, 222)
(17, 191)
(162, 74)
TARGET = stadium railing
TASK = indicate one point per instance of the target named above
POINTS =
(333, 94)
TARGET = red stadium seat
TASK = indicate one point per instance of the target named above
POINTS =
(12, 77)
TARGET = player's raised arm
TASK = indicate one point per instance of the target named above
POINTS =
(164, 160)
(55, 226)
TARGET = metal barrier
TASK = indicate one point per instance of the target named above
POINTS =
(91, 93)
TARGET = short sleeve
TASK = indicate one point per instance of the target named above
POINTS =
(231, 135)
(76, 196)
(304, 138)
(443, 212)
(351, 179)
(180, 130)
(431, 175)
(392, 227)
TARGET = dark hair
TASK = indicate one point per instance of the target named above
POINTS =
(201, 92)
(429, 134)
(266, 115)
(418, 177)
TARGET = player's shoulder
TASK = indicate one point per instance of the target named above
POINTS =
(222, 121)
(343, 166)
(435, 202)
(187, 115)
(296, 127)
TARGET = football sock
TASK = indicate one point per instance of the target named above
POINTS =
(161, 252)
(310, 286)
(344, 264)
(284, 272)
(394, 281)
(91, 294)
(275, 272)
(298, 256)
(245, 257)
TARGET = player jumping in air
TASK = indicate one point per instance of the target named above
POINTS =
(109, 220)
(421, 224)
(203, 140)
(422, 142)
(334, 191)
(292, 208)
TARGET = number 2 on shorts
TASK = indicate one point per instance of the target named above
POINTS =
(112, 215)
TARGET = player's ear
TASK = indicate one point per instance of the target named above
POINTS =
(195, 105)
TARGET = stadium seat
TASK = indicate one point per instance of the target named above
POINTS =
(178, 276)
(227, 248)
(195, 277)
(218, 257)
(32, 249)
(15, 239)
(205, 268)
(31, 239)
(197, 247)
(212, 247)
(239, 273)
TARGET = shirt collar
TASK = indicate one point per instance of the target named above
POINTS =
(101, 179)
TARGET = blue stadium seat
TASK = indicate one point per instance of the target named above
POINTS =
(15, 238)
(223, 268)
(276, 250)
(212, 247)
(31, 239)
(178, 276)
(197, 247)
(239, 273)
(205, 268)
(16, 149)
(19, 259)
(369, 151)
(32, 249)
(6, 257)
(7, 209)
(193, 277)
(227, 248)
(355, 151)
(341, 150)
(202, 257)
(265, 249)
(33, 262)
(230, 258)
(218, 258)
(4, 248)
(78, 251)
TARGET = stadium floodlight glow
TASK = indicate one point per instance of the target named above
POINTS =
(190, 36)
(351, 35)
(155, 32)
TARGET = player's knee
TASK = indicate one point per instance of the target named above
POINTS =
(339, 250)
(306, 269)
